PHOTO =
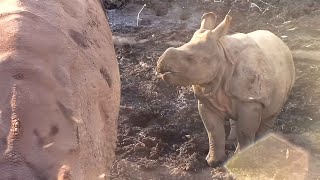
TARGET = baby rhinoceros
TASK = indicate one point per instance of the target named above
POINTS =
(243, 77)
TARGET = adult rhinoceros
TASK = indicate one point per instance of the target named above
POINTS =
(60, 90)
(244, 77)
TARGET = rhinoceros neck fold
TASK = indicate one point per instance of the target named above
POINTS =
(232, 47)
(225, 54)
(212, 86)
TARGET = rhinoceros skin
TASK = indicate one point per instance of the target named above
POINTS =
(60, 90)
(243, 77)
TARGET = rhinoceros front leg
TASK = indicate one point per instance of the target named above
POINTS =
(214, 125)
(249, 119)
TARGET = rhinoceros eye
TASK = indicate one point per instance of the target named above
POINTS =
(189, 59)
(53, 130)
(40, 139)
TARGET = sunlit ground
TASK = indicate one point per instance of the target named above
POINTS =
(270, 158)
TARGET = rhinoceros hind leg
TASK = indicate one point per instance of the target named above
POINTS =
(232, 138)
(249, 119)
(265, 126)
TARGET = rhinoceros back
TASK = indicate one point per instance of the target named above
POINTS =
(279, 58)
(264, 71)
(277, 52)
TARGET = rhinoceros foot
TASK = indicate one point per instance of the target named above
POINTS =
(215, 162)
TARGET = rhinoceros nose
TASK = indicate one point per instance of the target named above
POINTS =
(160, 69)
(165, 60)
(163, 66)
(160, 64)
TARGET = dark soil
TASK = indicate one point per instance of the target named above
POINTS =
(159, 124)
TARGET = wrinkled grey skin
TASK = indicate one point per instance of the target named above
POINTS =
(243, 77)
(59, 90)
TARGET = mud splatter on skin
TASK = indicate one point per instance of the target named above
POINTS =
(68, 113)
(79, 38)
(18, 76)
(106, 76)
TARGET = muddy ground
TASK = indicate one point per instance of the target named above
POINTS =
(161, 135)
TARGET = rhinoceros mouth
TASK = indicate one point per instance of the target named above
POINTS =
(175, 78)
(164, 73)
(170, 73)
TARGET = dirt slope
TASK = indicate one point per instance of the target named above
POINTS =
(161, 135)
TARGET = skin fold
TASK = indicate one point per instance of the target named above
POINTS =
(243, 77)
(60, 90)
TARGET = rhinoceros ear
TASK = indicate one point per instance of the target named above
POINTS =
(223, 27)
(208, 21)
